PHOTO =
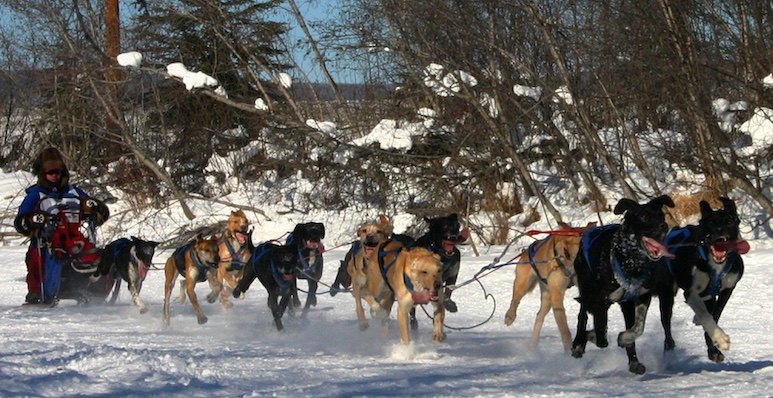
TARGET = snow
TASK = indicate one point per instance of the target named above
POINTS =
(131, 59)
(192, 80)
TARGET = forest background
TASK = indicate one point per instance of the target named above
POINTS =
(494, 106)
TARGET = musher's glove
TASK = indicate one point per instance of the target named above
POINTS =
(97, 208)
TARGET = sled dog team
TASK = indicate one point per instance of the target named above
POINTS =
(625, 263)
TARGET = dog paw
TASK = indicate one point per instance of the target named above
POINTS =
(510, 317)
(578, 351)
(143, 310)
(439, 337)
(364, 326)
(379, 313)
(238, 293)
(226, 305)
(715, 355)
(202, 320)
(636, 367)
(721, 340)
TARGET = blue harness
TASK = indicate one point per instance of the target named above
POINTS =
(631, 287)
(179, 260)
(534, 248)
(385, 267)
(681, 235)
(236, 256)
(262, 250)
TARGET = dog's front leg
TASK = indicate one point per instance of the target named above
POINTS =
(215, 283)
(403, 309)
(440, 315)
(704, 318)
(363, 322)
(521, 285)
(715, 307)
(170, 272)
(191, 290)
(135, 285)
(278, 304)
(635, 314)
(581, 337)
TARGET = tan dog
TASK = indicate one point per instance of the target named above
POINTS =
(371, 236)
(408, 276)
(550, 262)
(195, 261)
(234, 253)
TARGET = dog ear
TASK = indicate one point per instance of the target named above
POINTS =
(624, 205)
(663, 200)
(705, 208)
(727, 203)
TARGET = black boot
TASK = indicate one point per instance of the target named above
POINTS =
(449, 304)
(32, 298)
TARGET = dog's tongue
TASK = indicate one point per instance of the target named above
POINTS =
(310, 244)
(288, 277)
(143, 268)
(423, 297)
(656, 249)
(739, 246)
(241, 238)
(449, 245)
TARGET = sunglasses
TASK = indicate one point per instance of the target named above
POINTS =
(54, 172)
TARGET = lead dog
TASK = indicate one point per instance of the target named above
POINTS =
(307, 239)
(128, 260)
(234, 253)
(370, 237)
(196, 261)
(614, 264)
(548, 262)
(275, 266)
(408, 276)
(707, 266)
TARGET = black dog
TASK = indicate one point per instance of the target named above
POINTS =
(275, 266)
(444, 234)
(128, 260)
(615, 264)
(707, 266)
(307, 239)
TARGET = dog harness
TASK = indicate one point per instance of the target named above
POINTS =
(385, 267)
(682, 235)
(262, 250)
(127, 244)
(235, 255)
(179, 260)
(534, 248)
(631, 287)
(590, 237)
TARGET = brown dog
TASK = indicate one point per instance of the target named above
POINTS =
(196, 261)
(393, 272)
(234, 254)
(550, 262)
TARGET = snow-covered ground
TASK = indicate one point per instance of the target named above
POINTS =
(115, 351)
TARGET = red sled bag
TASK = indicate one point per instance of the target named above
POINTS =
(66, 238)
